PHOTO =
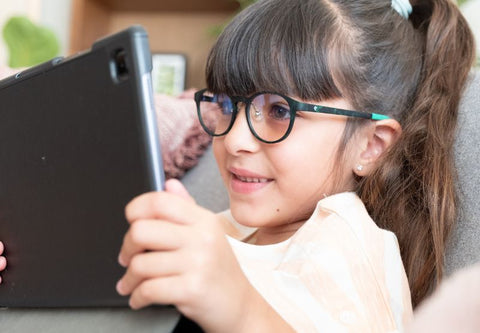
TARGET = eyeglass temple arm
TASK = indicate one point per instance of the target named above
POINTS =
(341, 112)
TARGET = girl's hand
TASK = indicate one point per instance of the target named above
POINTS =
(3, 260)
(176, 253)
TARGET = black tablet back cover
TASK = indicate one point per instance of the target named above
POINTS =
(78, 141)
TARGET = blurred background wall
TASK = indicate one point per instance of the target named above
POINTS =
(186, 27)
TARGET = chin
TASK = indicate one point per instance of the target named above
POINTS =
(248, 217)
(254, 217)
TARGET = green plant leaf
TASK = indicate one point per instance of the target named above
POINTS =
(216, 30)
(28, 44)
(461, 2)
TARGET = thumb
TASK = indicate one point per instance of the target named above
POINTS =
(174, 186)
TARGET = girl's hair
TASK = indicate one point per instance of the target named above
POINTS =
(411, 69)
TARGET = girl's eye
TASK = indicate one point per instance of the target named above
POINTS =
(279, 112)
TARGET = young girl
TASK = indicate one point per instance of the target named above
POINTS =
(324, 112)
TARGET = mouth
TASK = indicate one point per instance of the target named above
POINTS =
(251, 179)
(246, 182)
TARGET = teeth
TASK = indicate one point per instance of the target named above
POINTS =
(252, 180)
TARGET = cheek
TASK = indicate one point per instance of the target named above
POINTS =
(309, 163)
(217, 148)
(303, 168)
(316, 144)
(221, 156)
(219, 152)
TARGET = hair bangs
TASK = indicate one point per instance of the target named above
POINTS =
(262, 50)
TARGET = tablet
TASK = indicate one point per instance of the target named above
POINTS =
(78, 141)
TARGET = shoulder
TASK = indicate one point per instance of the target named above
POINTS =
(342, 228)
(346, 256)
(343, 217)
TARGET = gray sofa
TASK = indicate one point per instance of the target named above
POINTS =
(206, 187)
(464, 246)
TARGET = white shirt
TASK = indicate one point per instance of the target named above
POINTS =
(338, 273)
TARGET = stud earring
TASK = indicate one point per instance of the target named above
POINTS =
(359, 167)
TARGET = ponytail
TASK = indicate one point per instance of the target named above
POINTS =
(412, 192)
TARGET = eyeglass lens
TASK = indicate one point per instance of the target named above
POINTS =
(268, 115)
(216, 111)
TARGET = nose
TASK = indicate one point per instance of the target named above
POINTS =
(240, 138)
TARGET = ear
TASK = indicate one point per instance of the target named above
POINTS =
(376, 140)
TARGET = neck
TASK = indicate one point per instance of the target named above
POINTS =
(273, 235)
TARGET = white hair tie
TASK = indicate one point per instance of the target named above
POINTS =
(403, 7)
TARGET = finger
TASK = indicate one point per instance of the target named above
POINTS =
(163, 205)
(166, 290)
(3, 260)
(151, 235)
(174, 186)
(3, 263)
(147, 266)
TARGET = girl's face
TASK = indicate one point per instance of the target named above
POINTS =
(275, 187)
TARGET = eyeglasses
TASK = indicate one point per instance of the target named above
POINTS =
(270, 116)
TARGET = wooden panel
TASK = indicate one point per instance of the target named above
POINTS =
(174, 26)
(177, 33)
(172, 5)
(90, 21)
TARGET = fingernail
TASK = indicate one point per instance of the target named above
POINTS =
(119, 287)
(121, 261)
(132, 305)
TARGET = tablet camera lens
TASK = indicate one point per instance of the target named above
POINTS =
(120, 62)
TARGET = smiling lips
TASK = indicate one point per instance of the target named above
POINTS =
(251, 180)
(245, 182)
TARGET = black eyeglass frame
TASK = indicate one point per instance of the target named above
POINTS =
(294, 107)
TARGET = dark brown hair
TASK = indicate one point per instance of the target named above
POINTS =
(364, 51)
